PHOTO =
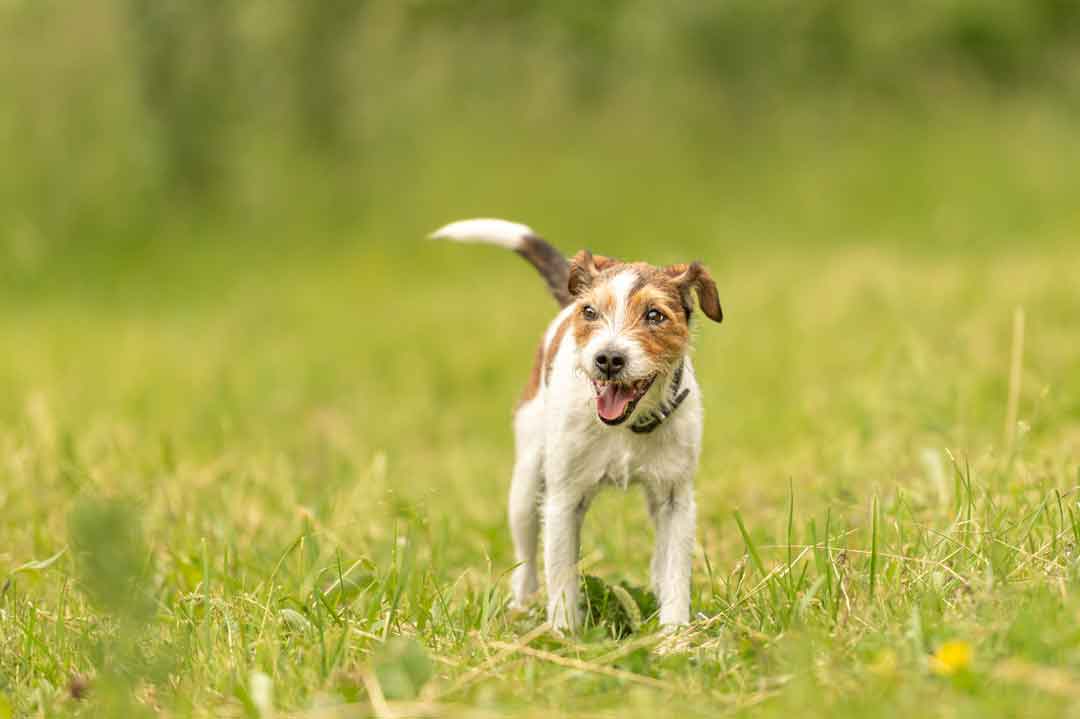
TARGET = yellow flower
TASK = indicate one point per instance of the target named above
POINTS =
(951, 658)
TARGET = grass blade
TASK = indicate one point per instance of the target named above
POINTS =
(755, 558)
(873, 544)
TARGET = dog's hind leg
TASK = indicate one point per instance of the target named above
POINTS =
(525, 496)
(526, 490)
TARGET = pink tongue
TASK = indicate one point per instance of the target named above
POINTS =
(612, 401)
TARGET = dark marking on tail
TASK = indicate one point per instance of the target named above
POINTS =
(551, 265)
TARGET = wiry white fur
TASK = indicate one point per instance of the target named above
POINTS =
(565, 455)
(503, 233)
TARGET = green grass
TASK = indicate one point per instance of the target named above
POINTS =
(233, 466)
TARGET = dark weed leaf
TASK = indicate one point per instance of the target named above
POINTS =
(619, 610)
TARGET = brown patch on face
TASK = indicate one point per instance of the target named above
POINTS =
(664, 341)
(601, 299)
(533, 386)
(553, 348)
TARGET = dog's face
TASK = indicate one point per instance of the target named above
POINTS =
(631, 325)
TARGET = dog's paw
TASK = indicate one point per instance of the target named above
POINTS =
(564, 623)
(674, 616)
(520, 608)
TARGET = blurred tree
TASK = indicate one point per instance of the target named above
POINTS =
(322, 31)
(186, 53)
(123, 119)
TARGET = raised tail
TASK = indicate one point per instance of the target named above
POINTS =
(547, 260)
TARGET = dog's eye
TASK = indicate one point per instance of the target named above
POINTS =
(654, 317)
(589, 313)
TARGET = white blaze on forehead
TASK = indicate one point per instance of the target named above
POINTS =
(621, 285)
(613, 335)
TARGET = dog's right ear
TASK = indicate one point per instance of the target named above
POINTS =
(584, 269)
(582, 273)
(695, 277)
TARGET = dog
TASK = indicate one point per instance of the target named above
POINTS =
(612, 401)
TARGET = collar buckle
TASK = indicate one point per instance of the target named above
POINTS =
(665, 409)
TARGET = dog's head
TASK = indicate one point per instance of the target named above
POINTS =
(632, 325)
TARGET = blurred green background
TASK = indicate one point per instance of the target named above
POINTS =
(264, 171)
(137, 130)
(216, 304)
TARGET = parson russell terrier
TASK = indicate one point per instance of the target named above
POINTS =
(612, 400)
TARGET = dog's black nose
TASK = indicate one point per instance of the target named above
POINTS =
(609, 362)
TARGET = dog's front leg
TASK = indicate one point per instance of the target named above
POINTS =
(655, 499)
(675, 518)
(564, 513)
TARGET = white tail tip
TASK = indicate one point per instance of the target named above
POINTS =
(503, 233)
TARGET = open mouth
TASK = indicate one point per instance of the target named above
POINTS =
(615, 401)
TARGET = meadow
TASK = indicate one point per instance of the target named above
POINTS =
(255, 449)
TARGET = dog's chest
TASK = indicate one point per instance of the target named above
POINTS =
(620, 458)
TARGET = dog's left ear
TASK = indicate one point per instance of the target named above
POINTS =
(584, 269)
(695, 277)
(582, 273)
